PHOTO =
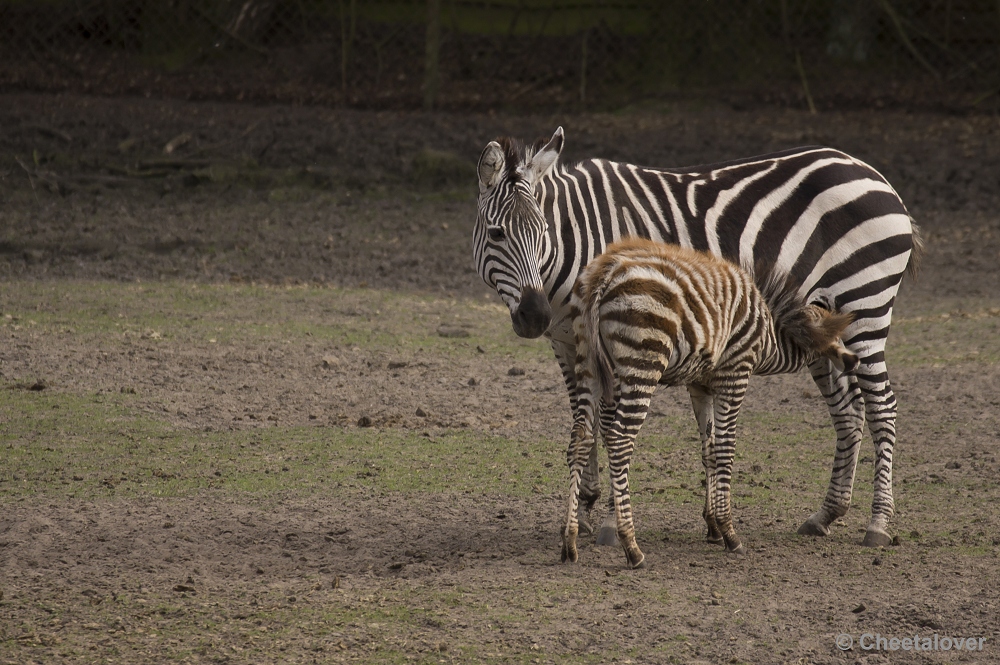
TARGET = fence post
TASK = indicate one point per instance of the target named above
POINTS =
(432, 70)
(346, 40)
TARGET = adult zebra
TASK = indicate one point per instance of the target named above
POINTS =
(830, 221)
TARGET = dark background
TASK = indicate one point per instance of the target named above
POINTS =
(541, 55)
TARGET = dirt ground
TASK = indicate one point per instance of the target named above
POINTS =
(343, 202)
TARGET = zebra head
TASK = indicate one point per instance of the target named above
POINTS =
(509, 241)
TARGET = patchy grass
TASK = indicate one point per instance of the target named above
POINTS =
(502, 600)
(63, 445)
(234, 313)
(937, 339)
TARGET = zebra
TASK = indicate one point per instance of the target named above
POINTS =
(827, 219)
(647, 313)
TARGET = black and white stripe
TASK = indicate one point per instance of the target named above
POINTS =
(827, 219)
(648, 314)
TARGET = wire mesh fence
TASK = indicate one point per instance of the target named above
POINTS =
(501, 54)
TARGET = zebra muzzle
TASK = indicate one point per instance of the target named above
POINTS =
(533, 314)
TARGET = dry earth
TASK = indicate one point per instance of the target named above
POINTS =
(327, 212)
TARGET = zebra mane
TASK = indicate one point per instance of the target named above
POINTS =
(517, 153)
(780, 290)
(810, 327)
(788, 310)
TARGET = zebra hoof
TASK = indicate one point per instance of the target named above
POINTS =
(586, 528)
(876, 538)
(738, 552)
(569, 556)
(813, 527)
(607, 536)
(640, 561)
(715, 540)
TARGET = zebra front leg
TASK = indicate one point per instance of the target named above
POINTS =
(728, 399)
(590, 486)
(703, 405)
(582, 442)
(843, 398)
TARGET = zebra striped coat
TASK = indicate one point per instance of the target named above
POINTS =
(827, 219)
(646, 313)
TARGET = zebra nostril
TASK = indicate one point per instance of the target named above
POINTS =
(533, 314)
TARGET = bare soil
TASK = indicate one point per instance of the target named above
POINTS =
(323, 199)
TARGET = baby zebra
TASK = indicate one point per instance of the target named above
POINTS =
(647, 313)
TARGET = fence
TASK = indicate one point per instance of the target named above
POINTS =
(501, 54)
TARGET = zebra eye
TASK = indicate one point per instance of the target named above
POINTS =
(496, 234)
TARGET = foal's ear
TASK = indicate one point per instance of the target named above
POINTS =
(543, 160)
(491, 163)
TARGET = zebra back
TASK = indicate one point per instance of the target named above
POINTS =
(697, 314)
(675, 312)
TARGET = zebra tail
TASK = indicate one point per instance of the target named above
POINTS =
(600, 361)
(917, 253)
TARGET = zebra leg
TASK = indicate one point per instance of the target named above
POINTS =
(704, 408)
(843, 398)
(590, 486)
(582, 441)
(728, 400)
(631, 410)
(880, 414)
(608, 533)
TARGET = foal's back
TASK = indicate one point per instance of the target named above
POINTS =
(668, 314)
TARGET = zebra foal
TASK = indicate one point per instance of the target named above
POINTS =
(646, 313)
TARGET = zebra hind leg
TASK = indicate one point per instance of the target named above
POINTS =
(880, 414)
(607, 535)
(631, 410)
(843, 398)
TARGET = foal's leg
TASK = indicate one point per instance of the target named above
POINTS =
(630, 413)
(607, 535)
(704, 412)
(728, 399)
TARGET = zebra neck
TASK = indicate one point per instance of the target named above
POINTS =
(591, 205)
(780, 354)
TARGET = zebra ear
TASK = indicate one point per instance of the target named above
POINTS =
(543, 160)
(490, 164)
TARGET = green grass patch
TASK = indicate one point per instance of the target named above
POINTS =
(946, 338)
(236, 313)
(59, 445)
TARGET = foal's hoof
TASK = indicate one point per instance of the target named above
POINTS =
(586, 528)
(639, 562)
(607, 536)
(738, 552)
(714, 540)
(876, 538)
(813, 527)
